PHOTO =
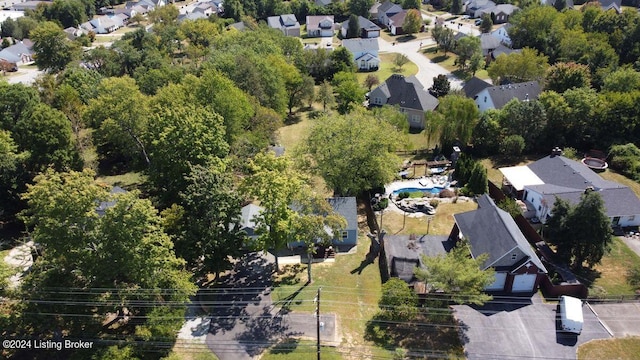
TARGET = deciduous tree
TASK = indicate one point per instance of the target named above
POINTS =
(564, 76)
(443, 37)
(52, 49)
(441, 86)
(458, 275)
(527, 65)
(354, 152)
(466, 48)
(400, 60)
(412, 22)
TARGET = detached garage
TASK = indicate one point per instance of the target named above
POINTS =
(492, 231)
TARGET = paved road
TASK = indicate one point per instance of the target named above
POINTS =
(521, 328)
(622, 319)
(632, 243)
(26, 76)
(427, 70)
(244, 320)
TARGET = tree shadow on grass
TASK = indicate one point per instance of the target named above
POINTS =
(440, 58)
(437, 332)
(587, 276)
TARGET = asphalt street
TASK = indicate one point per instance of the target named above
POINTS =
(521, 328)
(244, 321)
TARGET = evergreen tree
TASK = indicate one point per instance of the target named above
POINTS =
(478, 182)
(353, 30)
(455, 7)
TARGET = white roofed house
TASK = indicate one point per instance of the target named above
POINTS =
(365, 53)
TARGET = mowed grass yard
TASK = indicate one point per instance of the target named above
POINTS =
(387, 68)
(619, 349)
(613, 269)
(349, 289)
(292, 349)
(448, 62)
(442, 223)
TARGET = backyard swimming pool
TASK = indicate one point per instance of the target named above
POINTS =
(433, 190)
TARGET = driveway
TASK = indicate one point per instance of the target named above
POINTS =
(26, 76)
(632, 242)
(512, 327)
(622, 319)
(244, 321)
(427, 70)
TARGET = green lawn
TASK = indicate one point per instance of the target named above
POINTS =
(300, 350)
(611, 272)
(293, 135)
(448, 62)
(614, 176)
(387, 68)
(128, 180)
(619, 349)
(350, 289)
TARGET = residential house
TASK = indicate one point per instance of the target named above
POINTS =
(368, 30)
(207, 8)
(9, 14)
(406, 93)
(502, 34)
(320, 26)
(501, 49)
(365, 53)
(396, 22)
(473, 86)
(496, 97)
(322, 3)
(287, 23)
(248, 216)
(492, 231)
(488, 43)
(19, 54)
(499, 13)
(615, 5)
(475, 8)
(567, 5)
(28, 5)
(373, 11)
(73, 33)
(192, 16)
(404, 253)
(539, 183)
(386, 10)
(103, 206)
(103, 25)
(240, 26)
(348, 209)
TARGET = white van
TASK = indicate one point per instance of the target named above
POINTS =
(571, 314)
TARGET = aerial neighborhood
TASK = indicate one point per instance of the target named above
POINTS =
(357, 179)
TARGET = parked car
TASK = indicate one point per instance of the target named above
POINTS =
(478, 22)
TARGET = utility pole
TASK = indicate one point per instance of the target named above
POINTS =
(317, 300)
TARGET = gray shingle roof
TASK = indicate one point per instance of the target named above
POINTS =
(364, 23)
(502, 94)
(568, 179)
(348, 208)
(488, 42)
(283, 21)
(389, 7)
(492, 231)
(358, 45)
(104, 205)
(14, 53)
(398, 19)
(407, 93)
(473, 86)
(403, 253)
(501, 49)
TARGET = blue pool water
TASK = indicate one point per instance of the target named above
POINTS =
(433, 190)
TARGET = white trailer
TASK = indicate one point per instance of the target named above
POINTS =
(571, 314)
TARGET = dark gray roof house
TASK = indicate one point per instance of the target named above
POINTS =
(20, 53)
(473, 86)
(102, 207)
(488, 43)
(496, 97)
(501, 49)
(404, 253)
(540, 182)
(492, 231)
(367, 28)
(611, 5)
(406, 93)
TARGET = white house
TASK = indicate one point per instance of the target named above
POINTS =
(365, 53)
(540, 182)
(502, 34)
(496, 97)
(286, 23)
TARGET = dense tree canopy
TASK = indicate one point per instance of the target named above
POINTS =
(354, 152)
(52, 49)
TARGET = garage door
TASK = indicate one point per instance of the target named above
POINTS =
(499, 283)
(524, 283)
